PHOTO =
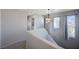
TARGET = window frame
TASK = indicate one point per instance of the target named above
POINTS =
(57, 24)
(66, 28)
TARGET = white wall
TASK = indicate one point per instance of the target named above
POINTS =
(0, 28)
(13, 26)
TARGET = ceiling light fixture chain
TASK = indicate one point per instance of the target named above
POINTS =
(48, 17)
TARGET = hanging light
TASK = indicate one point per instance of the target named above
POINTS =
(48, 17)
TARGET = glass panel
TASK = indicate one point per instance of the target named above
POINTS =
(56, 22)
(71, 27)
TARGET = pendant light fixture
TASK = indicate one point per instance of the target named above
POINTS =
(48, 17)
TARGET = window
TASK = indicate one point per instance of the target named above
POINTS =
(56, 22)
(71, 27)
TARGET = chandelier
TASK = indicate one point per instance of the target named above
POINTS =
(48, 17)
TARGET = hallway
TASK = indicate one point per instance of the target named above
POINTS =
(53, 28)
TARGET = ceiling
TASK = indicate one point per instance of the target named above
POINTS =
(43, 11)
